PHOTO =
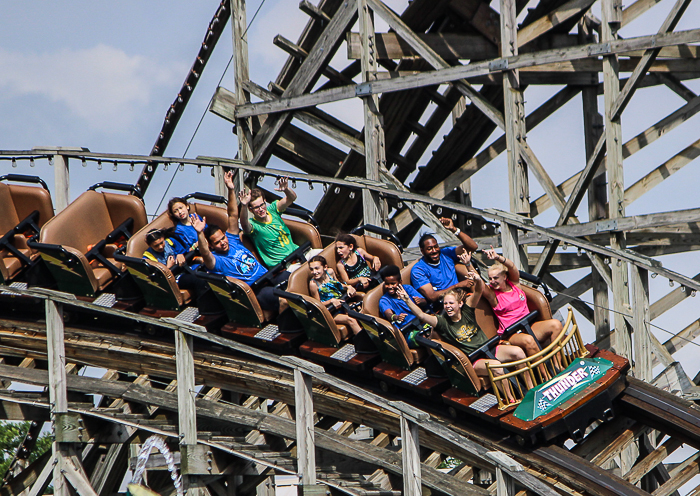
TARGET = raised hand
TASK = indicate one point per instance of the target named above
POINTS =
(401, 293)
(198, 223)
(282, 184)
(491, 254)
(447, 222)
(465, 257)
(244, 196)
(228, 180)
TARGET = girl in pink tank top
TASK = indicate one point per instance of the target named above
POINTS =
(509, 304)
(511, 307)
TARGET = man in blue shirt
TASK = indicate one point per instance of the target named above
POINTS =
(435, 272)
(225, 254)
(394, 309)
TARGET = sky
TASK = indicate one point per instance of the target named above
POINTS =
(101, 75)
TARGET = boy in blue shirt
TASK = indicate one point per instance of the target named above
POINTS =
(394, 309)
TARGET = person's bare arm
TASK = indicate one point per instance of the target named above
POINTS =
(513, 272)
(232, 208)
(207, 256)
(473, 299)
(432, 296)
(289, 194)
(467, 242)
(415, 309)
(313, 290)
(244, 198)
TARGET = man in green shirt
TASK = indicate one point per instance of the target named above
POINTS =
(268, 231)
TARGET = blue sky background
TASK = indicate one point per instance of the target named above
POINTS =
(102, 74)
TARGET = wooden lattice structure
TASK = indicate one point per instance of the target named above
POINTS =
(445, 62)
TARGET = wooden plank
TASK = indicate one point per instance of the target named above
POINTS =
(642, 342)
(449, 46)
(313, 11)
(296, 51)
(374, 210)
(187, 410)
(306, 447)
(77, 479)
(244, 128)
(576, 289)
(410, 458)
(450, 74)
(553, 19)
(648, 58)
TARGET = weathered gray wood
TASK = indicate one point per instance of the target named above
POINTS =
(429, 78)
(61, 186)
(643, 139)
(306, 446)
(75, 476)
(373, 208)
(241, 74)
(642, 343)
(187, 412)
(302, 81)
(613, 141)
(410, 458)
(313, 11)
(553, 18)
(43, 480)
(57, 386)
(647, 59)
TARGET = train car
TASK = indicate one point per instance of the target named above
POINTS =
(573, 384)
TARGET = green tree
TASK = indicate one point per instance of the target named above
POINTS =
(11, 435)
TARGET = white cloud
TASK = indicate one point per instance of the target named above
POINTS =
(101, 85)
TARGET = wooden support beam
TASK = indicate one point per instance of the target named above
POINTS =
(58, 396)
(573, 291)
(642, 342)
(244, 128)
(313, 11)
(554, 18)
(410, 450)
(622, 344)
(187, 413)
(597, 193)
(61, 185)
(653, 459)
(296, 51)
(306, 447)
(374, 209)
(296, 100)
(647, 59)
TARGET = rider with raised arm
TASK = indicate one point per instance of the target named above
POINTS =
(268, 231)
(435, 272)
(509, 303)
(225, 254)
(459, 327)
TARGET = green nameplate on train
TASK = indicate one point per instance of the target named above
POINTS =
(546, 397)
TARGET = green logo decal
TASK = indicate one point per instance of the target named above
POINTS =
(564, 386)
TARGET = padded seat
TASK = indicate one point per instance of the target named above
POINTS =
(17, 203)
(78, 228)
